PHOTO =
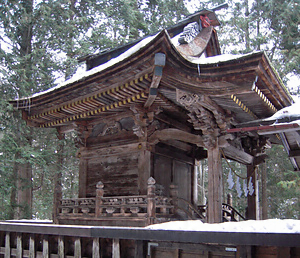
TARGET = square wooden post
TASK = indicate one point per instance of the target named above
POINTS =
(151, 207)
(252, 200)
(99, 195)
(215, 183)
(144, 168)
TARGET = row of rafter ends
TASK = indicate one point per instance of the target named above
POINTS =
(89, 99)
(264, 98)
(242, 106)
(97, 111)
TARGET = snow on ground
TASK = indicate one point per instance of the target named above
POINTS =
(252, 226)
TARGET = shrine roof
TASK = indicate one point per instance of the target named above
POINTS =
(246, 85)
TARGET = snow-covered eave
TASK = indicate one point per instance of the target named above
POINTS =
(133, 50)
(279, 78)
(90, 73)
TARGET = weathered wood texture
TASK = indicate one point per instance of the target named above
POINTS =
(119, 174)
(252, 200)
(214, 209)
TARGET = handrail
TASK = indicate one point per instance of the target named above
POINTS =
(235, 210)
(192, 207)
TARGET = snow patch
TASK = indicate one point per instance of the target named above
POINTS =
(290, 111)
(250, 226)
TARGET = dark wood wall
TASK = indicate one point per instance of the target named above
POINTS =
(168, 170)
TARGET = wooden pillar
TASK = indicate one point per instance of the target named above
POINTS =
(151, 201)
(214, 208)
(252, 200)
(116, 248)
(83, 167)
(264, 196)
(144, 168)
(99, 195)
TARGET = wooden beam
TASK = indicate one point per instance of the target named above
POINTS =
(174, 123)
(175, 134)
(159, 62)
(238, 155)
(294, 153)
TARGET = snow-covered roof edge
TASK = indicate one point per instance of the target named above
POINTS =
(98, 69)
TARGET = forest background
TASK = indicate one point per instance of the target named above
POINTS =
(40, 43)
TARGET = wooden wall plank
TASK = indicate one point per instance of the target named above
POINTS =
(83, 166)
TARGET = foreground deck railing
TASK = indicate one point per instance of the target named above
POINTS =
(49, 240)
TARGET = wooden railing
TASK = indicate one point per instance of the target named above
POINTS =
(150, 207)
(50, 240)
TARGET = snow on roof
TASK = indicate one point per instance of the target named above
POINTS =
(252, 226)
(102, 67)
(221, 58)
(80, 76)
(293, 110)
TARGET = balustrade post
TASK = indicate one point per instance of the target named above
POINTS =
(99, 201)
(229, 202)
(96, 248)
(151, 201)
(77, 248)
(19, 246)
(32, 246)
(174, 196)
(46, 250)
(229, 199)
(7, 245)
(116, 248)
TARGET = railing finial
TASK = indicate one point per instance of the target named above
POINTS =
(151, 181)
(99, 185)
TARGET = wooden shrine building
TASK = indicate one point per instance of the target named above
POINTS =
(147, 111)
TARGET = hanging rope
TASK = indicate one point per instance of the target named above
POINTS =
(242, 177)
